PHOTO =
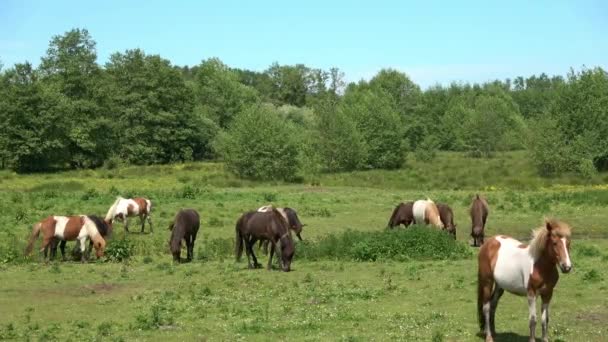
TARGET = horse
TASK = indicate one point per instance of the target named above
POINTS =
(123, 208)
(185, 226)
(270, 225)
(105, 230)
(291, 216)
(425, 211)
(403, 214)
(525, 270)
(479, 214)
(447, 218)
(67, 228)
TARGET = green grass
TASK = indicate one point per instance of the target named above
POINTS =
(331, 294)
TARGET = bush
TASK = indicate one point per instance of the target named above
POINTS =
(119, 250)
(260, 145)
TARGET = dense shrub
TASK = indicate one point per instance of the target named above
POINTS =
(261, 145)
(119, 250)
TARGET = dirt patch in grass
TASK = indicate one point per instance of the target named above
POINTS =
(103, 287)
(600, 317)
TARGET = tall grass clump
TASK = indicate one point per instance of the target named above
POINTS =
(417, 243)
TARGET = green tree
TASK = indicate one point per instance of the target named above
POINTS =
(261, 145)
(376, 118)
(219, 93)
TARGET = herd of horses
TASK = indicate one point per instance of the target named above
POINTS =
(504, 263)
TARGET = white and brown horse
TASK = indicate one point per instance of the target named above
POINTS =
(123, 208)
(524, 270)
(67, 228)
(426, 212)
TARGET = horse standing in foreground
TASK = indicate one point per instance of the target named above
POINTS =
(184, 227)
(271, 225)
(123, 208)
(67, 228)
(479, 214)
(525, 270)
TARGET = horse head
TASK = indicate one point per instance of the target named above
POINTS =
(558, 244)
(294, 222)
(287, 249)
(100, 246)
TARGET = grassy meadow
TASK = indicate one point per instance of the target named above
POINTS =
(327, 296)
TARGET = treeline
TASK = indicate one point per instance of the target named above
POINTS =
(286, 122)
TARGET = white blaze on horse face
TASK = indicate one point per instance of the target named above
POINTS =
(567, 262)
(419, 210)
(513, 267)
(60, 223)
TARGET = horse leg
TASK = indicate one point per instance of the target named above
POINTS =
(149, 219)
(271, 255)
(484, 305)
(142, 220)
(249, 253)
(46, 243)
(544, 315)
(126, 224)
(190, 246)
(54, 245)
(62, 247)
(532, 316)
(83, 247)
(498, 292)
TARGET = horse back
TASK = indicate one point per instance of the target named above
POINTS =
(187, 221)
(479, 211)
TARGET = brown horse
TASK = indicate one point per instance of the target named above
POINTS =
(185, 226)
(403, 214)
(253, 226)
(67, 228)
(292, 220)
(525, 270)
(447, 218)
(105, 230)
(479, 214)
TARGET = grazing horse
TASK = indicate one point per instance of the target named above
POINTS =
(105, 230)
(403, 214)
(525, 270)
(123, 208)
(67, 228)
(447, 218)
(479, 214)
(185, 226)
(270, 225)
(425, 211)
(292, 220)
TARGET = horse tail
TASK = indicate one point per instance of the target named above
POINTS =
(238, 242)
(112, 210)
(391, 221)
(33, 238)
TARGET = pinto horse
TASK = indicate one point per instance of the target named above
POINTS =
(479, 214)
(426, 212)
(105, 230)
(123, 208)
(525, 270)
(271, 225)
(79, 228)
(185, 226)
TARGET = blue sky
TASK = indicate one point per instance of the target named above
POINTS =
(432, 41)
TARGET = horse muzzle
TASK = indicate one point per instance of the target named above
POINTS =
(565, 268)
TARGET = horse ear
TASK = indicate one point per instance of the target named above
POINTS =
(548, 224)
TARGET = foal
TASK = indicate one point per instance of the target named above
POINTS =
(524, 270)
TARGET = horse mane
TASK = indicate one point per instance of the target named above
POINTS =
(541, 234)
(112, 210)
(102, 227)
